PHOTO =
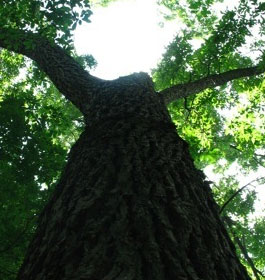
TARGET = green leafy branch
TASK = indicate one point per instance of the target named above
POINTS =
(240, 190)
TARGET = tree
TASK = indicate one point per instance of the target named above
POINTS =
(129, 203)
(236, 40)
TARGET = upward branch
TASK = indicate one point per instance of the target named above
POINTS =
(76, 84)
(184, 90)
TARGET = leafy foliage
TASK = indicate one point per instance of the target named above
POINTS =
(38, 126)
(53, 19)
(238, 205)
(211, 49)
(224, 126)
(103, 3)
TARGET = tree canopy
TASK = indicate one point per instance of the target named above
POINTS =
(223, 125)
(37, 125)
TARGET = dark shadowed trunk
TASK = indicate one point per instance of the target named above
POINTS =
(130, 203)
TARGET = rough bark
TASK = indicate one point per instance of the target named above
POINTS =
(130, 203)
(184, 90)
(76, 84)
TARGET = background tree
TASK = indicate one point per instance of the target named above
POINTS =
(40, 107)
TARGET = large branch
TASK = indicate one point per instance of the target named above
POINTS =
(184, 90)
(76, 84)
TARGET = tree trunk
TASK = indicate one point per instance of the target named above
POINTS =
(130, 203)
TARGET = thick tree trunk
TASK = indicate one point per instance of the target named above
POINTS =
(130, 203)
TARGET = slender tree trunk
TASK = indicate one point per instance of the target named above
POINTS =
(130, 203)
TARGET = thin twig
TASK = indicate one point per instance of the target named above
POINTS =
(242, 248)
(258, 161)
(238, 191)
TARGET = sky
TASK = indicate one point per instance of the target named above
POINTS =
(125, 38)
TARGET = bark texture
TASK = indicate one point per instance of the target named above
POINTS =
(130, 203)
(76, 84)
(184, 90)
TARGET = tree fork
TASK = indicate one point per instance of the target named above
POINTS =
(130, 204)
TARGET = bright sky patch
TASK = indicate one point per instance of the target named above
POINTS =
(125, 37)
